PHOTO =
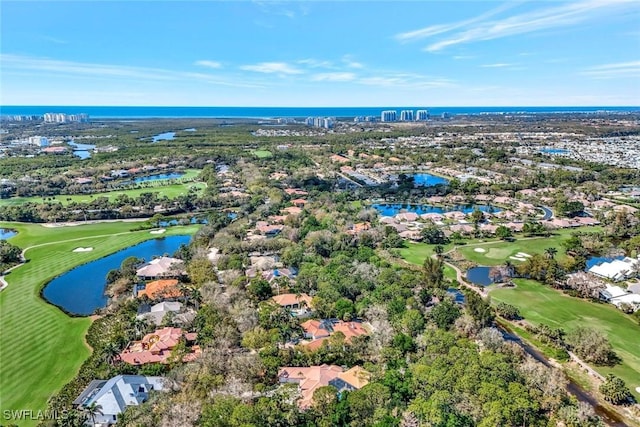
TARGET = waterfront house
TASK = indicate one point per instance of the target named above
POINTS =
(161, 268)
(160, 289)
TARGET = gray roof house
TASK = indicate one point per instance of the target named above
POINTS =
(155, 314)
(116, 394)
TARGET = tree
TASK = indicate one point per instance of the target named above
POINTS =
(479, 308)
(591, 345)
(445, 314)
(615, 390)
(438, 250)
(433, 235)
(477, 216)
(92, 410)
(550, 253)
(433, 272)
(200, 271)
(508, 311)
(259, 289)
(503, 232)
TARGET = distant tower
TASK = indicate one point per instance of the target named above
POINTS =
(388, 116)
(422, 115)
(406, 115)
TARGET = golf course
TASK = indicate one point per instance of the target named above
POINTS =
(541, 304)
(42, 348)
(168, 188)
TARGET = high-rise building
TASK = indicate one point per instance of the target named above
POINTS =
(422, 115)
(320, 122)
(406, 115)
(389, 116)
(38, 141)
(64, 118)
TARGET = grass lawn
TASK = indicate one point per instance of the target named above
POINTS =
(262, 154)
(498, 252)
(41, 347)
(541, 304)
(169, 190)
(415, 253)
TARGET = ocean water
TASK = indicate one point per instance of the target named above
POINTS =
(297, 112)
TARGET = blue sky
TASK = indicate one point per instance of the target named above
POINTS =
(320, 53)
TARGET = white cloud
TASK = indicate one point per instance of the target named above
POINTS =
(315, 63)
(406, 81)
(480, 28)
(617, 70)
(333, 77)
(121, 72)
(445, 28)
(208, 64)
(350, 62)
(272, 67)
(498, 65)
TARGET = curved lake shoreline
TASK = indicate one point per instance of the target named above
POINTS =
(80, 291)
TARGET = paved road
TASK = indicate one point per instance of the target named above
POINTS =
(548, 213)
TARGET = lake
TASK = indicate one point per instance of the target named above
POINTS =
(166, 136)
(392, 209)
(81, 150)
(428, 180)
(458, 297)
(6, 233)
(158, 177)
(554, 151)
(81, 291)
(479, 276)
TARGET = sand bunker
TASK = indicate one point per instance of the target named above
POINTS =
(82, 249)
(515, 258)
(481, 250)
(523, 255)
(162, 230)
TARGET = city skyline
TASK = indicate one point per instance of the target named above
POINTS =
(320, 53)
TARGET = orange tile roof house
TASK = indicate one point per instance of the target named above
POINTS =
(311, 378)
(319, 330)
(156, 347)
(296, 191)
(158, 289)
(298, 304)
(163, 267)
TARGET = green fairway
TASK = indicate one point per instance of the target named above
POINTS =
(541, 304)
(163, 187)
(498, 252)
(415, 253)
(41, 347)
(262, 154)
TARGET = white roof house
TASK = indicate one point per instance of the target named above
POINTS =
(612, 292)
(116, 394)
(632, 299)
(162, 267)
(616, 270)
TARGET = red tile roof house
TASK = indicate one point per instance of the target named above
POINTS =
(296, 191)
(156, 347)
(319, 330)
(311, 378)
(162, 268)
(299, 305)
(359, 228)
(299, 202)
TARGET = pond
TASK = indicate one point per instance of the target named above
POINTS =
(554, 151)
(392, 209)
(81, 150)
(158, 177)
(166, 136)
(458, 297)
(81, 291)
(6, 233)
(479, 276)
(190, 130)
(428, 180)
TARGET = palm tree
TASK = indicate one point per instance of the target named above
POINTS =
(509, 268)
(92, 410)
(111, 352)
(550, 253)
(439, 250)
